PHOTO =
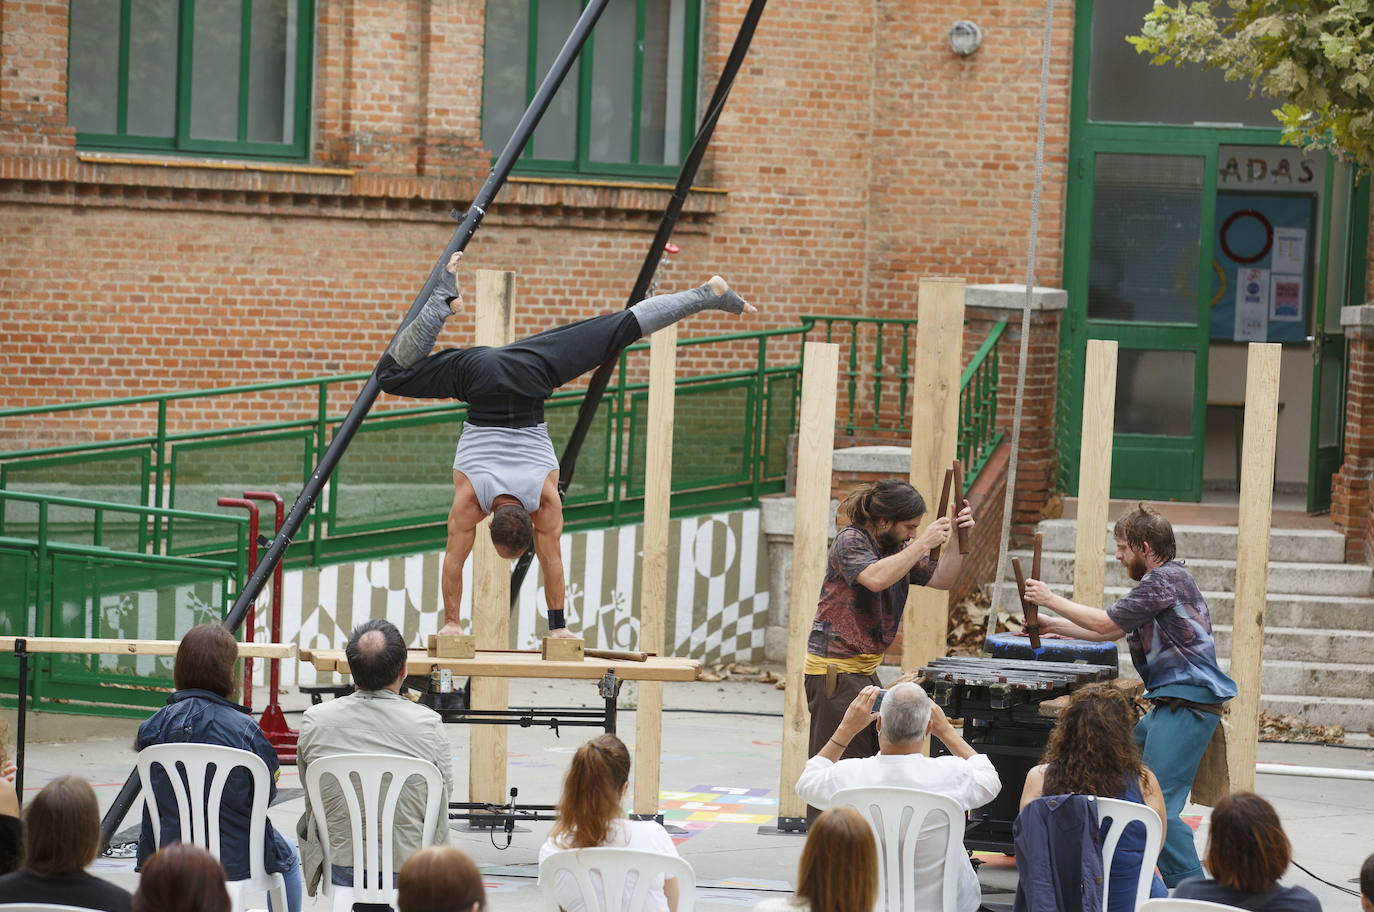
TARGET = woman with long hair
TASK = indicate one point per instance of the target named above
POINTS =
(61, 837)
(590, 814)
(1091, 752)
(1247, 853)
(181, 877)
(838, 871)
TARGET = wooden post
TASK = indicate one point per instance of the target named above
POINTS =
(1094, 472)
(494, 311)
(1252, 557)
(653, 581)
(815, 460)
(934, 442)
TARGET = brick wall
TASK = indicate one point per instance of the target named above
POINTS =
(1351, 507)
(857, 154)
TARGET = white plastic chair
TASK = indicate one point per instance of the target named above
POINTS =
(1121, 813)
(897, 816)
(199, 811)
(609, 892)
(1183, 905)
(40, 907)
(379, 779)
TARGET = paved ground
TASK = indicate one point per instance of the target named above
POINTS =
(721, 752)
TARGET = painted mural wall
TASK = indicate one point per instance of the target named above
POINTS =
(717, 594)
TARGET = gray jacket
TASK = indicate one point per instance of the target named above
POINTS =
(369, 722)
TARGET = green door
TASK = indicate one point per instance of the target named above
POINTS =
(1137, 275)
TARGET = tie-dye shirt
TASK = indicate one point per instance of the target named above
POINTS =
(1169, 630)
(851, 620)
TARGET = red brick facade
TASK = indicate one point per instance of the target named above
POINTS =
(856, 155)
(1352, 510)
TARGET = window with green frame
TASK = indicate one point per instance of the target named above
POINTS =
(215, 77)
(628, 108)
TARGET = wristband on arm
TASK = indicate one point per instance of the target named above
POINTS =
(556, 619)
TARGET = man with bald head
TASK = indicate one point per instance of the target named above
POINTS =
(904, 720)
(374, 719)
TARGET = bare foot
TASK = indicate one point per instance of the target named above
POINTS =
(563, 633)
(452, 628)
(720, 287)
(456, 305)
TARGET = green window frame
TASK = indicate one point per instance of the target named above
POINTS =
(629, 110)
(210, 77)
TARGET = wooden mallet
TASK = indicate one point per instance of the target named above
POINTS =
(944, 511)
(1029, 608)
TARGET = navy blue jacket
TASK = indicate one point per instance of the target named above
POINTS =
(1058, 855)
(202, 717)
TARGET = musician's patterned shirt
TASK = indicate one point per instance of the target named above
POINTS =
(1169, 631)
(851, 620)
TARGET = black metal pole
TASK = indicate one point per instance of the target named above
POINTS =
(305, 501)
(596, 387)
(21, 651)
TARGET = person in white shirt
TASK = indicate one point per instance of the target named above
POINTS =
(907, 715)
(590, 814)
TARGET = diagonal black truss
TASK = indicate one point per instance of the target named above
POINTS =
(596, 388)
(305, 501)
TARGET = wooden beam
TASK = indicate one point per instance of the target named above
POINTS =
(495, 325)
(815, 460)
(934, 444)
(653, 581)
(524, 665)
(1252, 557)
(1094, 472)
(83, 646)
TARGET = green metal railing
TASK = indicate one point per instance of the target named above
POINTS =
(82, 569)
(853, 372)
(978, 388)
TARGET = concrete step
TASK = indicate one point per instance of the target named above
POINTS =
(1306, 611)
(1306, 644)
(1353, 713)
(1212, 575)
(1345, 680)
(1216, 542)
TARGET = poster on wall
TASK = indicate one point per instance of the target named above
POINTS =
(1260, 266)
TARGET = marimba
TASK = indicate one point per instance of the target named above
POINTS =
(1008, 706)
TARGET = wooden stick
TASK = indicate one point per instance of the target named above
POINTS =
(93, 646)
(959, 530)
(944, 510)
(1031, 612)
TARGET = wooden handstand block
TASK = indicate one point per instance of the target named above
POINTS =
(452, 646)
(561, 649)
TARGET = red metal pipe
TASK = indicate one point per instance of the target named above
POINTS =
(252, 509)
(281, 736)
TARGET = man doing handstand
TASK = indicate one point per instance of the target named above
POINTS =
(505, 465)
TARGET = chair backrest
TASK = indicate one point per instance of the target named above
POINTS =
(897, 816)
(40, 907)
(1181, 905)
(378, 779)
(1121, 813)
(187, 766)
(614, 867)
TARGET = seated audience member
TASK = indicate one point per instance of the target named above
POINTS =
(838, 871)
(62, 837)
(906, 717)
(200, 711)
(11, 832)
(1367, 884)
(1091, 752)
(440, 879)
(374, 719)
(590, 814)
(1247, 853)
(181, 877)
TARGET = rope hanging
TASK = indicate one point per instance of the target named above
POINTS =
(1009, 498)
(596, 387)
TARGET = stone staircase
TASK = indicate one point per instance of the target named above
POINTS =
(1319, 623)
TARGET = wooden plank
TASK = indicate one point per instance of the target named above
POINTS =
(1094, 472)
(934, 442)
(524, 665)
(494, 311)
(653, 581)
(815, 460)
(83, 646)
(1252, 557)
